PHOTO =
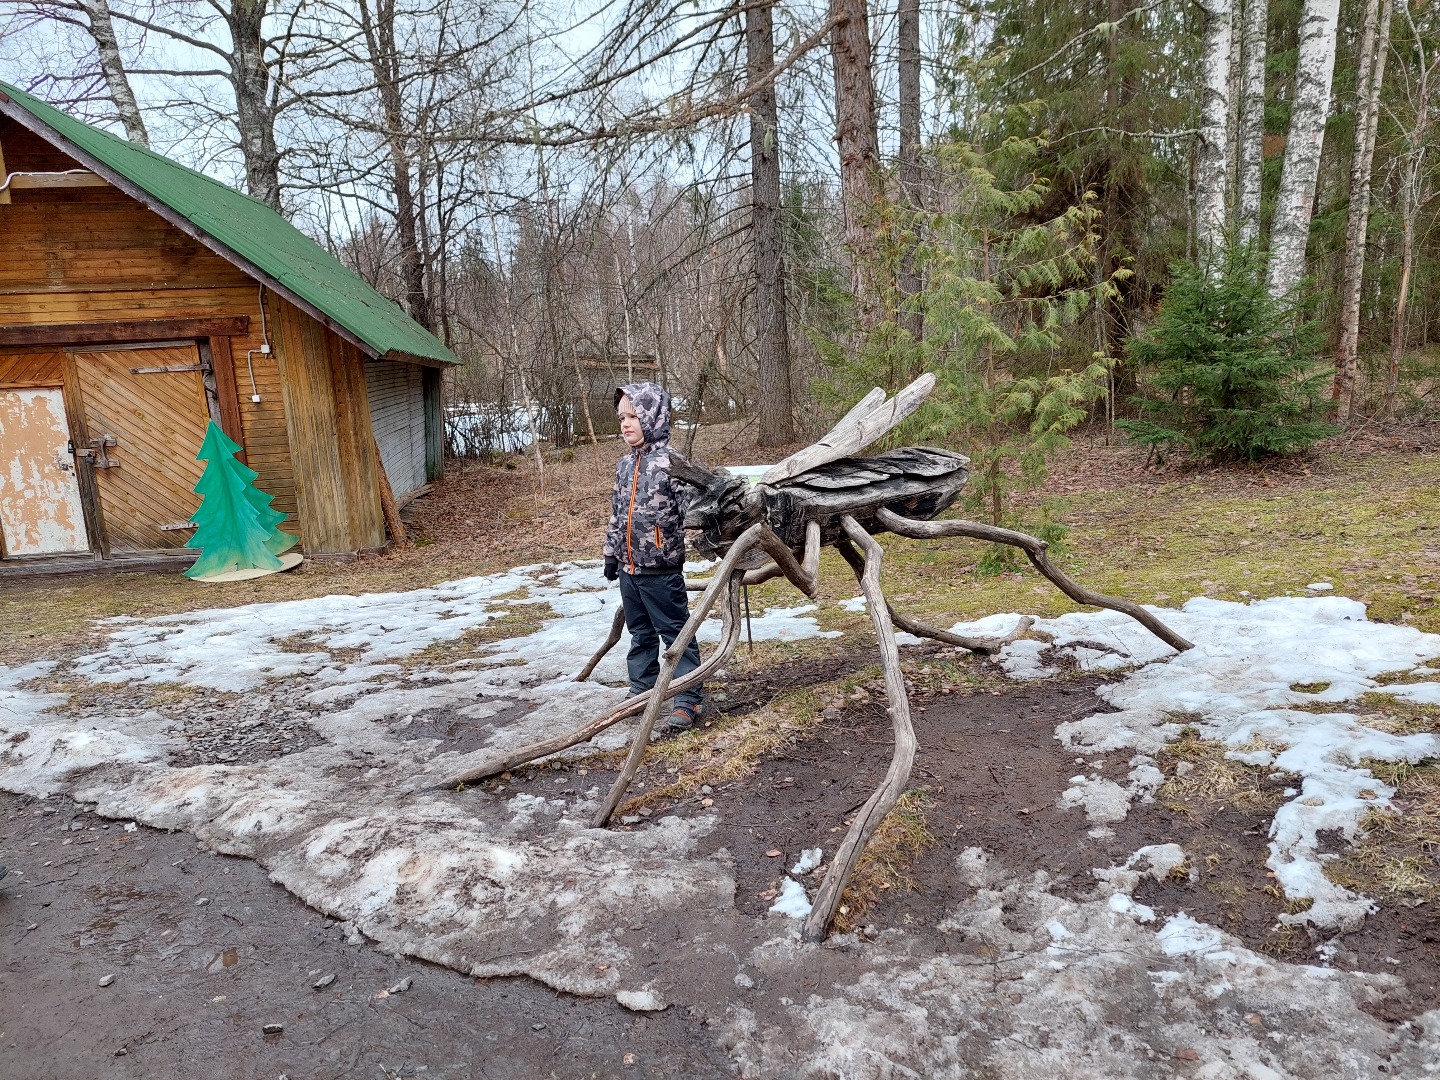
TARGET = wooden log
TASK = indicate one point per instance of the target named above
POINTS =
(511, 759)
(726, 577)
(757, 576)
(396, 527)
(804, 577)
(1035, 550)
(842, 866)
(983, 646)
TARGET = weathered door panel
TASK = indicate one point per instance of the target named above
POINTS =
(40, 511)
(145, 417)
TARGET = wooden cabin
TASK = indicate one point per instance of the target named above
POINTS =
(138, 301)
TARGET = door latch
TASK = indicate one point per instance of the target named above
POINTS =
(97, 453)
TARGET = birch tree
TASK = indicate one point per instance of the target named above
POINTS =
(112, 65)
(1251, 135)
(1211, 166)
(92, 19)
(1309, 106)
(1374, 47)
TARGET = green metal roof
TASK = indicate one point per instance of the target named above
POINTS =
(240, 229)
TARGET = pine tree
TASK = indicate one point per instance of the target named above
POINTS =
(237, 529)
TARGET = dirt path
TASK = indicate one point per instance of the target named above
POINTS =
(205, 952)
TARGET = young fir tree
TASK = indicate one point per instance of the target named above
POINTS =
(1004, 287)
(237, 529)
(1235, 369)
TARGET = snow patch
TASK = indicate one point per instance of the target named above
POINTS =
(1235, 686)
(792, 900)
(809, 860)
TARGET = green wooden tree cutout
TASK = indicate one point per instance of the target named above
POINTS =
(237, 529)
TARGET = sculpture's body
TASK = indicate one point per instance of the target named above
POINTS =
(916, 482)
(821, 496)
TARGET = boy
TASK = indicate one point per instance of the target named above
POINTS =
(645, 545)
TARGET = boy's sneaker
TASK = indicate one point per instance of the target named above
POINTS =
(682, 718)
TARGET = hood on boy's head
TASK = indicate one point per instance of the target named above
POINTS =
(652, 408)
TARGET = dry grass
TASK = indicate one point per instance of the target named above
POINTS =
(1201, 773)
(894, 847)
(1397, 853)
(520, 621)
(729, 750)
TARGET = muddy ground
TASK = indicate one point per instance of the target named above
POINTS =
(205, 951)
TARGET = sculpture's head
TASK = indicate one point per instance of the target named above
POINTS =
(721, 507)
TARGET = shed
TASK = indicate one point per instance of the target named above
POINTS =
(139, 300)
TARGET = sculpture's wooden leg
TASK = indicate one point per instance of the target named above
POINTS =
(510, 759)
(726, 577)
(827, 900)
(984, 646)
(1034, 549)
(616, 625)
(758, 576)
(805, 575)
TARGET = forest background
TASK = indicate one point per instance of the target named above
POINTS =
(772, 206)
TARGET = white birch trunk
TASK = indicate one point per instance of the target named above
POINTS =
(1211, 170)
(1234, 96)
(1309, 105)
(1252, 123)
(112, 66)
(1374, 48)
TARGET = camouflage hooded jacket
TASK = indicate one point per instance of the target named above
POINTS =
(647, 509)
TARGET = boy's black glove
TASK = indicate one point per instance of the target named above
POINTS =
(612, 568)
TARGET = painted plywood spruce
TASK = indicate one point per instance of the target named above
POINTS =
(236, 528)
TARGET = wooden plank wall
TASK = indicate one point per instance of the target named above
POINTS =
(95, 254)
(328, 413)
(42, 366)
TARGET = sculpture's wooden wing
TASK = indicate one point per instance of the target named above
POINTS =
(872, 419)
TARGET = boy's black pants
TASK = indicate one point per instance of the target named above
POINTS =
(656, 608)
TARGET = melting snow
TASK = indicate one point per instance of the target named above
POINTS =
(511, 882)
(792, 901)
(1236, 686)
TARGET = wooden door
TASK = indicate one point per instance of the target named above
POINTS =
(40, 509)
(144, 420)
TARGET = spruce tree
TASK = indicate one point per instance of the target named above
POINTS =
(237, 528)
(1235, 370)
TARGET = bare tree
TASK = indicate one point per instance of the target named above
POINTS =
(91, 18)
(1374, 47)
(1415, 191)
(385, 62)
(112, 66)
(908, 86)
(772, 332)
(856, 133)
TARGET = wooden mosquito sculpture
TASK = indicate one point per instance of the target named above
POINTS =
(776, 527)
